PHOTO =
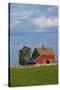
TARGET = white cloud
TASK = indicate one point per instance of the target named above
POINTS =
(17, 17)
(22, 14)
(45, 21)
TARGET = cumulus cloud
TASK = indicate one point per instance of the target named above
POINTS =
(45, 21)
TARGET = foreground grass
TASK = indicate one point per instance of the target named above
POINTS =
(42, 75)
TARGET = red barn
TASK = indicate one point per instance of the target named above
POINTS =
(42, 55)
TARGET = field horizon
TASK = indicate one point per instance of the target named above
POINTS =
(42, 75)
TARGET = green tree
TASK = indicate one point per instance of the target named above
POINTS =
(24, 55)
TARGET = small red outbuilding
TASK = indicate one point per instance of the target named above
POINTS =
(43, 56)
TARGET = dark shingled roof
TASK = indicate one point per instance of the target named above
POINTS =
(32, 59)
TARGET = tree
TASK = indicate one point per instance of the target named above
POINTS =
(24, 55)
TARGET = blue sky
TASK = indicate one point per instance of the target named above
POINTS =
(32, 25)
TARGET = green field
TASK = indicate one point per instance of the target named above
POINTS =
(42, 75)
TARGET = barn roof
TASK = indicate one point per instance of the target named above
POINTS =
(45, 51)
(32, 59)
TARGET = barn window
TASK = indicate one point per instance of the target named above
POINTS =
(47, 61)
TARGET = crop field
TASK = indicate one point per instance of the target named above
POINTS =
(32, 76)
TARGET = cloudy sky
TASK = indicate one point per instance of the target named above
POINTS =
(32, 25)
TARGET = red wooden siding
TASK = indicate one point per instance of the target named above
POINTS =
(43, 58)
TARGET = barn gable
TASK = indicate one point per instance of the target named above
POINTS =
(34, 56)
(35, 53)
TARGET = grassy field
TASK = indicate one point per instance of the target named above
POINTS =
(42, 75)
